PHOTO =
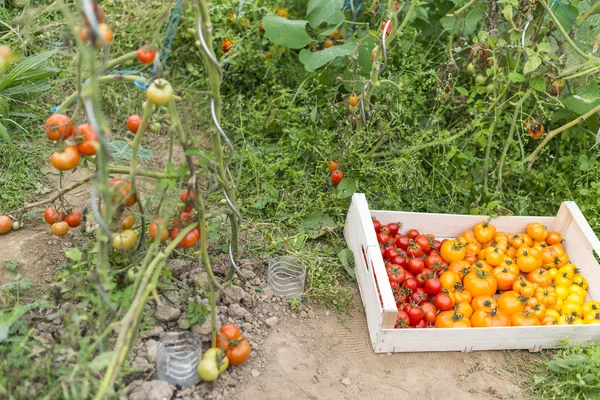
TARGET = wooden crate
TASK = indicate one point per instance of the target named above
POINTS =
(580, 242)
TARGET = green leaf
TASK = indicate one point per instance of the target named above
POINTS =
(11, 265)
(544, 47)
(317, 224)
(472, 21)
(533, 62)
(563, 17)
(6, 320)
(101, 361)
(285, 32)
(73, 254)
(4, 108)
(346, 257)
(23, 68)
(313, 60)
(538, 83)
(347, 187)
(516, 77)
(507, 11)
(320, 11)
(4, 135)
(121, 149)
(581, 103)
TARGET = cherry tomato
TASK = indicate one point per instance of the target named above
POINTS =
(52, 216)
(128, 221)
(98, 11)
(432, 286)
(423, 242)
(189, 240)
(89, 145)
(376, 225)
(227, 44)
(402, 320)
(153, 229)
(124, 240)
(415, 265)
(411, 283)
(412, 234)
(353, 100)
(133, 123)
(389, 28)
(159, 92)
(74, 219)
(58, 125)
(146, 55)
(60, 228)
(336, 176)
(534, 129)
(6, 224)
(333, 165)
(442, 301)
(415, 314)
(403, 242)
(6, 56)
(155, 127)
(65, 160)
(123, 188)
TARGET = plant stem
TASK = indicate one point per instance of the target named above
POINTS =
(564, 33)
(462, 9)
(594, 9)
(509, 140)
(125, 57)
(532, 157)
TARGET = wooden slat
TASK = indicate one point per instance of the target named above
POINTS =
(359, 241)
(469, 339)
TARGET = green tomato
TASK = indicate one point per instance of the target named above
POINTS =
(124, 240)
(490, 88)
(207, 370)
(16, 226)
(216, 354)
(480, 79)
(470, 69)
(159, 92)
(155, 127)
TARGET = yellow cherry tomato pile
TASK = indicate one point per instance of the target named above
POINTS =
(484, 278)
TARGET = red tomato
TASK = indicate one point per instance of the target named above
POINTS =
(88, 146)
(399, 260)
(415, 314)
(402, 320)
(74, 219)
(52, 216)
(415, 265)
(417, 298)
(414, 250)
(442, 301)
(413, 233)
(402, 242)
(133, 123)
(423, 242)
(397, 274)
(437, 245)
(432, 259)
(58, 125)
(189, 240)
(376, 225)
(146, 55)
(389, 28)
(411, 283)
(394, 228)
(382, 237)
(432, 286)
(390, 253)
(336, 176)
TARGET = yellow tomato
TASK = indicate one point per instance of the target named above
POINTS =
(572, 309)
(562, 279)
(452, 250)
(590, 307)
(580, 280)
(569, 269)
(494, 256)
(577, 290)
(575, 298)
(553, 313)
(593, 318)
(569, 320)
(559, 304)
(553, 272)
(562, 291)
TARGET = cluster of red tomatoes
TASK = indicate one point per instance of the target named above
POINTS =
(61, 221)
(178, 223)
(455, 283)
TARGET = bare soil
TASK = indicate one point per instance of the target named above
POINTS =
(325, 357)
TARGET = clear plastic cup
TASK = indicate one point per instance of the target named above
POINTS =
(286, 276)
(177, 358)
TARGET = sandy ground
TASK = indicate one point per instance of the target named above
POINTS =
(330, 358)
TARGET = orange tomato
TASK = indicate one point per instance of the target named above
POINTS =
(461, 294)
(128, 221)
(65, 160)
(473, 247)
(494, 257)
(528, 263)
(540, 277)
(5, 224)
(470, 257)
(487, 318)
(546, 296)
(469, 236)
(524, 287)
(524, 318)
(537, 231)
(452, 250)
(450, 279)
(519, 239)
(464, 308)
(484, 302)
(452, 319)
(482, 265)
(123, 188)
(89, 145)
(60, 228)
(535, 307)
(58, 125)
(461, 267)
(484, 232)
(153, 229)
(480, 283)
(505, 276)
(511, 302)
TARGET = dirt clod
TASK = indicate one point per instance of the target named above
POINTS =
(150, 390)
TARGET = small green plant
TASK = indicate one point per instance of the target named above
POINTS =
(12, 265)
(294, 303)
